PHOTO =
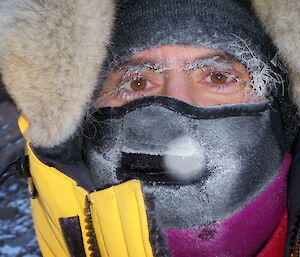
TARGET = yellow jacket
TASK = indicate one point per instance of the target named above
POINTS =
(80, 222)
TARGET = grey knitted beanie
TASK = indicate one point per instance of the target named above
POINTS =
(228, 25)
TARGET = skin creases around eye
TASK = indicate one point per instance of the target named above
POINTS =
(220, 82)
(218, 77)
(136, 86)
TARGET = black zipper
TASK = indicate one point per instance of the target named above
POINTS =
(295, 243)
(295, 238)
(92, 240)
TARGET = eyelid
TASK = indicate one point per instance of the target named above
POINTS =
(150, 75)
(131, 77)
(228, 87)
(230, 73)
(125, 83)
(126, 80)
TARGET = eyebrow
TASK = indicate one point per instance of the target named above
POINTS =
(140, 65)
(218, 60)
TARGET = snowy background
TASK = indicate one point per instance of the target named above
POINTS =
(17, 238)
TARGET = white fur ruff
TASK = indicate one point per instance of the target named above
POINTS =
(50, 56)
(281, 19)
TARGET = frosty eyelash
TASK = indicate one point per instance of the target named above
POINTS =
(122, 94)
(124, 91)
(228, 75)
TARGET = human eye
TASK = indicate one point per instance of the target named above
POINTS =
(133, 87)
(222, 82)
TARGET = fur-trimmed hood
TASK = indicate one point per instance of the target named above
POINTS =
(281, 18)
(51, 53)
(50, 56)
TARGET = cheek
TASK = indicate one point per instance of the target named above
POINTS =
(101, 103)
(209, 98)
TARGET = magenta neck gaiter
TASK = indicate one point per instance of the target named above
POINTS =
(240, 235)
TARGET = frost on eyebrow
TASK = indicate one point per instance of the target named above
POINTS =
(263, 78)
(162, 65)
(139, 67)
(217, 62)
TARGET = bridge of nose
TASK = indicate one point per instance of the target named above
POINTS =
(178, 86)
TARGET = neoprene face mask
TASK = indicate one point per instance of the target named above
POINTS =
(205, 168)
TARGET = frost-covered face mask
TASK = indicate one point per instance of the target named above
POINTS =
(213, 177)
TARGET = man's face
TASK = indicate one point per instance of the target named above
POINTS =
(203, 169)
(198, 76)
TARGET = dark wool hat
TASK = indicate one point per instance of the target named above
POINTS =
(228, 25)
